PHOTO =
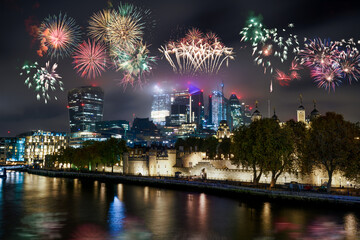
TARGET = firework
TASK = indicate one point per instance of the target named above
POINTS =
(90, 59)
(327, 78)
(99, 24)
(349, 63)
(274, 46)
(284, 79)
(318, 53)
(331, 62)
(60, 35)
(197, 52)
(254, 31)
(42, 79)
(134, 62)
(126, 26)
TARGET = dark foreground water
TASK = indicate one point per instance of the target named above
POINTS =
(37, 207)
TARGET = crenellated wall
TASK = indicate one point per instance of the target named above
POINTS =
(194, 164)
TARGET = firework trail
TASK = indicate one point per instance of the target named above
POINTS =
(197, 53)
(134, 62)
(90, 59)
(42, 79)
(59, 35)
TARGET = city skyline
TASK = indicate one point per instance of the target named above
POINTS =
(20, 111)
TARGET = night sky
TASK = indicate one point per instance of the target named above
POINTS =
(20, 111)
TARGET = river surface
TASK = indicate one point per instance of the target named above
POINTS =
(38, 207)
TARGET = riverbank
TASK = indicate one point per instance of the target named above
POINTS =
(218, 188)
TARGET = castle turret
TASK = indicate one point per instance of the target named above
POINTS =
(301, 112)
(314, 113)
(275, 117)
(256, 114)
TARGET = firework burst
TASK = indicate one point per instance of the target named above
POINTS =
(274, 46)
(90, 59)
(99, 24)
(254, 31)
(349, 63)
(331, 62)
(59, 35)
(134, 62)
(42, 79)
(126, 26)
(197, 53)
(318, 53)
(285, 79)
(327, 78)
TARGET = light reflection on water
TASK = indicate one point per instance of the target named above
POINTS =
(37, 207)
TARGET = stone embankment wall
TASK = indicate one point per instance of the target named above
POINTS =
(209, 187)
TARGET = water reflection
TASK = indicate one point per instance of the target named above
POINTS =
(37, 207)
(116, 216)
(41, 226)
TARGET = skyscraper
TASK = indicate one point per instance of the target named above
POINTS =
(161, 107)
(236, 111)
(179, 108)
(217, 108)
(85, 108)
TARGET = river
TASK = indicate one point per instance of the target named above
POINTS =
(38, 207)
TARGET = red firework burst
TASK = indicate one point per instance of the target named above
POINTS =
(90, 59)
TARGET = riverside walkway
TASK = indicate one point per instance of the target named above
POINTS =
(207, 186)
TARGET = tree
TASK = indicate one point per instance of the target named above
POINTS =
(210, 146)
(278, 149)
(112, 151)
(247, 149)
(224, 146)
(299, 135)
(331, 144)
(351, 165)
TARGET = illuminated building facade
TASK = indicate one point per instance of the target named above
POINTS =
(236, 111)
(13, 148)
(77, 139)
(223, 130)
(197, 107)
(247, 115)
(218, 108)
(40, 143)
(2, 151)
(85, 108)
(116, 128)
(179, 108)
(161, 107)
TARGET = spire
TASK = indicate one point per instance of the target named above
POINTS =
(275, 117)
(256, 104)
(314, 101)
(301, 107)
